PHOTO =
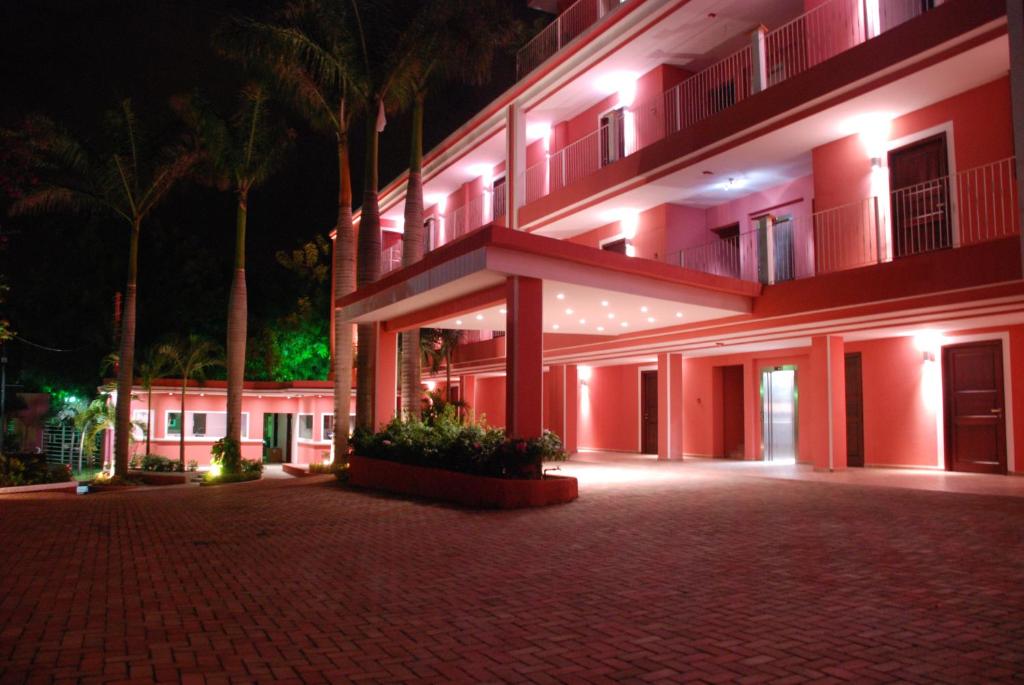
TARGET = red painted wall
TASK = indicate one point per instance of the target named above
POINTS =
(609, 409)
(490, 401)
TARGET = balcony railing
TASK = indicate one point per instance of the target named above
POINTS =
(974, 206)
(810, 39)
(569, 25)
(391, 258)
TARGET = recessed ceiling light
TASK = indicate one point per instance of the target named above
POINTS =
(611, 315)
(604, 303)
(479, 317)
(644, 309)
(458, 322)
(600, 328)
(707, 172)
(503, 311)
(555, 326)
(583, 321)
(568, 312)
(560, 296)
(624, 324)
(679, 315)
(650, 319)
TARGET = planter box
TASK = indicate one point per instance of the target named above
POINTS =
(159, 477)
(293, 470)
(70, 486)
(460, 488)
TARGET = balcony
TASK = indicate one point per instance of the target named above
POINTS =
(569, 25)
(974, 206)
(391, 258)
(772, 58)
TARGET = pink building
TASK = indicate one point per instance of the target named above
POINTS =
(769, 229)
(281, 422)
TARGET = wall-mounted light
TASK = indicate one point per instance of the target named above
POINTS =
(584, 373)
(873, 130)
(928, 343)
(622, 83)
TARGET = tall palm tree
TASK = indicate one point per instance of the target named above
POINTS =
(451, 42)
(237, 154)
(437, 345)
(310, 52)
(127, 174)
(152, 366)
(190, 358)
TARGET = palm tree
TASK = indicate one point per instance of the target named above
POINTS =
(309, 52)
(152, 366)
(127, 175)
(451, 42)
(190, 358)
(97, 417)
(437, 345)
(238, 153)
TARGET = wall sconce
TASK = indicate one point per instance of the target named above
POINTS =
(584, 373)
(928, 356)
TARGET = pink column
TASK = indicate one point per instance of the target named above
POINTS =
(467, 393)
(670, 406)
(385, 394)
(565, 410)
(751, 412)
(826, 434)
(524, 360)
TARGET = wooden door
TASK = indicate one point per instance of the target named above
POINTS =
(732, 412)
(974, 407)
(854, 411)
(919, 197)
(649, 412)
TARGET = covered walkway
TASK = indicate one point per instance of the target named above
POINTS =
(595, 468)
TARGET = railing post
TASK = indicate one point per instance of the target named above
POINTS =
(758, 59)
(878, 230)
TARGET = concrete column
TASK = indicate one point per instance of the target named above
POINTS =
(524, 359)
(515, 162)
(826, 392)
(751, 412)
(758, 59)
(670, 406)
(467, 393)
(385, 377)
(1015, 29)
(564, 379)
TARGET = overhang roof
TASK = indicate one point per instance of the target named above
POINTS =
(586, 290)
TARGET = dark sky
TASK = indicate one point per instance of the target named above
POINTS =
(71, 60)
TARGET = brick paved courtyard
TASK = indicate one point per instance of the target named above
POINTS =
(712, 577)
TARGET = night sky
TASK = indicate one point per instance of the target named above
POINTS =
(73, 59)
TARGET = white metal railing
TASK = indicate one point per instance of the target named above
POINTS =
(499, 201)
(973, 206)
(455, 223)
(569, 25)
(391, 258)
(811, 38)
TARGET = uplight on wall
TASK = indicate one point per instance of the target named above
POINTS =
(622, 83)
(539, 131)
(873, 130)
(584, 373)
(928, 343)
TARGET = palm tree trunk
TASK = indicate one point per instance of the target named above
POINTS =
(126, 358)
(412, 252)
(368, 271)
(448, 376)
(181, 433)
(237, 325)
(149, 414)
(344, 283)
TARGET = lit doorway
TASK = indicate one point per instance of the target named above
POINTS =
(277, 438)
(778, 415)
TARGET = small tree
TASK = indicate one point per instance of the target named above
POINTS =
(438, 347)
(190, 358)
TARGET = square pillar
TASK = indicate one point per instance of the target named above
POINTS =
(670, 406)
(565, 410)
(751, 412)
(826, 434)
(515, 163)
(385, 395)
(467, 393)
(524, 357)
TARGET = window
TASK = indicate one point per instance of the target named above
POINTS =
(204, 424)
(139, 423)
(305, 426)
(327, 427)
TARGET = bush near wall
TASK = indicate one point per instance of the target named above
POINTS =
(30, 469)
(445, 442)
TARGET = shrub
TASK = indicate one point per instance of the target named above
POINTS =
(193, 465)
(443, 441)
(30, 469)
(154, 462)
(251, 466)
(228, 454)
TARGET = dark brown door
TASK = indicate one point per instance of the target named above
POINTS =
(617, 246)
(732, 412)
(854, 411)
(919, 197)
(974, 406)
(649, 412)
